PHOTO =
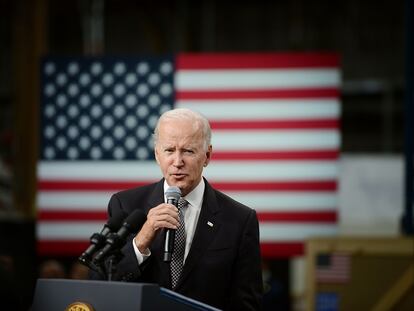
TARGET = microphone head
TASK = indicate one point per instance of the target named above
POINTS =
(115, 221)
(173, 193)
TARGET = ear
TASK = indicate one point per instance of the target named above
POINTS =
(208, 155)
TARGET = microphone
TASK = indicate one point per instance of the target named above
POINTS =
(172, 194)
(98, 239)
(114, 241)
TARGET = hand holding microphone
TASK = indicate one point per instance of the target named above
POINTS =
(172, 195)
(163, 216)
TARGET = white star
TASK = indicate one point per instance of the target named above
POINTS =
(73, 68)
(84, 79)
(108, 79)
(96, 153)
(130, 79)
(49, 68)
(119, 68)
(142, 68)
(131, 100)
(61, 100)
(61, 79)
(166, 68)
(96, 68)
(49, 90)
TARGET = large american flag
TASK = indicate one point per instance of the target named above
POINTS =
(276, 139)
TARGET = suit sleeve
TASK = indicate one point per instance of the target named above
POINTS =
(247, 284)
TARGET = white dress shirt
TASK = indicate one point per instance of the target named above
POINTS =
(192, 212)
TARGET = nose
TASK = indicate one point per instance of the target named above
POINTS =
(178, 159)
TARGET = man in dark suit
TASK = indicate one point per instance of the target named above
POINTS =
(220, 264)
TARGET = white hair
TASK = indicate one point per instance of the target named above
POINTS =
(199, 120)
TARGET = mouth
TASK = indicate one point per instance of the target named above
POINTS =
(178, 175)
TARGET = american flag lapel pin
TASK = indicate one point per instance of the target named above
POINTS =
(210, 224)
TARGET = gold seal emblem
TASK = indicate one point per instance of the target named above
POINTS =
(79, 306)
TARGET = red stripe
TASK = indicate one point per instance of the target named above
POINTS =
(275, 124)
(276, 155)
(75, 248)
(258, 94)
(329, 185)
(70, 215)
(90, 185)
(59, 248)
(299, 216)
(256, 60)
(278, 186)
(281, 249)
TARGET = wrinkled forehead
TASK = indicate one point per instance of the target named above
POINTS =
(182, 119)
(182, 126)
(185, 131)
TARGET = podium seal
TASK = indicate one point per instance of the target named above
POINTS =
(79, 306)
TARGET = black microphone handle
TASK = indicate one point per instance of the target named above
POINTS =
(102, 253)
(169, 244)
(115, 241)
(97, 241)
(169, 236)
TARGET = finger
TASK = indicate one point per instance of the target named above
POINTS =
(164, 211)
(163, 220)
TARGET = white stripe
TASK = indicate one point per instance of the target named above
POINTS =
(73, 200)
(271, 232)
(216, 171)
(256, 79)
(287, 201)
(271, 171)
(68, 230)
(259, 200)
(100, 170)
(256, 110)
(272, 140)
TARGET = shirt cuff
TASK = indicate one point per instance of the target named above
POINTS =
(140, 257)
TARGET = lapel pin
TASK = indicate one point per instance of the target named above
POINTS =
(210, 223)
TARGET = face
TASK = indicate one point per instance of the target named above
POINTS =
(180, 152)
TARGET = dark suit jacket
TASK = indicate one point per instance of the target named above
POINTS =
(223, 265)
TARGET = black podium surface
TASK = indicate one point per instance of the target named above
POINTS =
(59, 294)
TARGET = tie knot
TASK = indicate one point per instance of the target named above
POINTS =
(182, 203)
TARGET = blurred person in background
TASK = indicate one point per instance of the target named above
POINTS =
(78, 271)
(52, 269)
(221, 259)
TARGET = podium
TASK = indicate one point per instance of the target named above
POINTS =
(60, 294)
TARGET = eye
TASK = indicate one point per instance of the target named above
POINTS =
(189, 151)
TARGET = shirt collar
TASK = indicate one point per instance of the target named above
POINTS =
(195, 197)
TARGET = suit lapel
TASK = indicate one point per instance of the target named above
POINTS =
(206, 230)
(157, 195)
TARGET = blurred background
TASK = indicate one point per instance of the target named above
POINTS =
(373, 40)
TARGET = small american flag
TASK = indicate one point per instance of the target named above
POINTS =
(275, 120)
(333, 268)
